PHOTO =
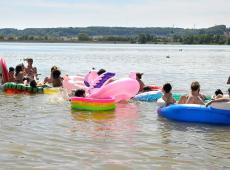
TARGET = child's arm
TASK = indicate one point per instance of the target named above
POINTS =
(218, 100)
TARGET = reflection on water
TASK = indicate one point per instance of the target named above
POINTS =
(93, 116)
(123, 118)
(42, 132)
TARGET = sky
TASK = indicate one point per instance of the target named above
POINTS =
(126, 13)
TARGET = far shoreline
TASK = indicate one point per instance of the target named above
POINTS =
(98, 42)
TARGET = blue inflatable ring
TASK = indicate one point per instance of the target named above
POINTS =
(195, 113)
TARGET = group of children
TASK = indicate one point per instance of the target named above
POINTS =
(195, 97)
(28, 75)
(24, 75)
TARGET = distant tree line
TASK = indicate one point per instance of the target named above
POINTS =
(213, 35)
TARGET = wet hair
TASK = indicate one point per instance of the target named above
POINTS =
(54, 68)
(101, 71)
(80, 93)
(167, 87)
(33, 84)
(29, 60)
(56, 74)
(18, 69)
(195, 86)
(11, 69)
(229, 90)
(139, 75)
(218, 91)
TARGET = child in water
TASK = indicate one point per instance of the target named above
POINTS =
(222, 99)
(218, 94)
(31, 72)
(138, 78)
(50, 79)
(11, 75)
(80, 93)
(57, 79)
(167, 97)
(19, 75)
(33, 84)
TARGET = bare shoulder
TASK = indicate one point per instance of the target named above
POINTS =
(190, 99)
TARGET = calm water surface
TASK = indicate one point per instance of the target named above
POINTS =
(41, 131)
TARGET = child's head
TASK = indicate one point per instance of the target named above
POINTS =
(167, 88)
(18, 69)
(11, 70)
(29, 61)
(195, 86)
(139, 75)
(56, 74)
(101, 71)
(218, 91)
(33, 84)
(53, 68)
(80, 93)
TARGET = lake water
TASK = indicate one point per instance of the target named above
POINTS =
(41, 131)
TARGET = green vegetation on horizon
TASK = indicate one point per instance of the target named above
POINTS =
(214, 35)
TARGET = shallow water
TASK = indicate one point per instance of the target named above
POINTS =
(41, 131)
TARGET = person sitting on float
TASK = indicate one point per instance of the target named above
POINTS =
(218, 94)
(11, 74)
(194, 97)
(57, 79)
(50, 79)
(223, 99)
(167, 97)
(102, 71)
(142, 85)
(31, 72)
(19, 74)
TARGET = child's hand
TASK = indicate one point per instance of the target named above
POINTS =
(209, 103)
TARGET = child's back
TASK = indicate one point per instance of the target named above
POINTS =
(167, 97)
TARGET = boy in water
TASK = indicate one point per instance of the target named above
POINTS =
(167, 97)
(80, 93)
(57, 79)
(31, 72)
(19, 74)
(50, 79)
(11, 75)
